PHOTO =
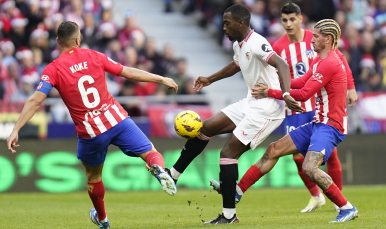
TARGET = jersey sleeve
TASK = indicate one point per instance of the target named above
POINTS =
(350, 79)
(322, 76)
(47, 79)
(109, 65)
(235, 57)
(263, 50)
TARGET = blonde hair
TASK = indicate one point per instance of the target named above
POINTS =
(329, 27)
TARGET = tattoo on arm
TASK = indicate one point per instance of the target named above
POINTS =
(311, 168)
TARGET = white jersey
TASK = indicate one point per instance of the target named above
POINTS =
(252, 55)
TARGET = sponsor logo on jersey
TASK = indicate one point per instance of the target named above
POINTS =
(318, 77)
(40, 85)
(301, 68)
(247, 55)
(265, 48)
(45, 78)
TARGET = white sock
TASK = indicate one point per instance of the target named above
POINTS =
(238, 190)
(229, 212)
(347, 206)
(104, 220)
(175, 173)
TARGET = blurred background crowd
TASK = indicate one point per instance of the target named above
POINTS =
(28, 42)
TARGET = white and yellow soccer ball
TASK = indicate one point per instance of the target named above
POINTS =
(188, 124)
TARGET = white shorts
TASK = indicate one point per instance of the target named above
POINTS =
(249, 127)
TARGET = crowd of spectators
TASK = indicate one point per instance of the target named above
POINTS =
(28, 43)
(363, 25)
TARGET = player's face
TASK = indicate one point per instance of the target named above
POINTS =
(292, 23)
(318, 41)
(231, 27)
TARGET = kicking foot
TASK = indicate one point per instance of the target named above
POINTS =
(166, 181)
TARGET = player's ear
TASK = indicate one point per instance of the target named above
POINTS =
(57, 40)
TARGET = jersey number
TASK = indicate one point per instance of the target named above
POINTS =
(92, 90)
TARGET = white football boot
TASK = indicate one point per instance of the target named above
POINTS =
(315, 203)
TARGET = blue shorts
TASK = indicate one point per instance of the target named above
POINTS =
(292, 122)
(317, 137)
(126, 135)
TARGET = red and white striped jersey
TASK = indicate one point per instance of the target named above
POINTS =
(299, 57)
(79, 76)
(327, 81)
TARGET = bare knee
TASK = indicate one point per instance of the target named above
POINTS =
(308, 169)
(93, 177)
(272, 151)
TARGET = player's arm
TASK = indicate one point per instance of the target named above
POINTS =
(301, 81)
(229, 70)
(143, 76)
(352, 96)
(29, 109)
(285, 82)
(310, 88)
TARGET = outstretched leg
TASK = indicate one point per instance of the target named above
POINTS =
(217, 124)
(275, 150)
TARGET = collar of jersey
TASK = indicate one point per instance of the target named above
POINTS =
(247, 37)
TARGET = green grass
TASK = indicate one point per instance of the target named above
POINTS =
(259, 208)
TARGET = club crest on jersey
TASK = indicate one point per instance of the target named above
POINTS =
(318, 77)
(247, 55)
(300, 68)
(265, 48)
(310, 53)
(40, 85)
(45, 78)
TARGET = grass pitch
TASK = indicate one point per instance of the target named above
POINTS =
(259, 208)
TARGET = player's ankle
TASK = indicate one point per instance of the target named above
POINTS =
(238, 190)
(175, 174)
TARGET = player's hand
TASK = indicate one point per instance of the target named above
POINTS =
(352, 97)
(292, 104)
(169, 82)
(201, 82)
(12, 140)
(260, 91)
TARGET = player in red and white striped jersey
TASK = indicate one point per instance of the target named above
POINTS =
(295, 47)
(79, 76)
(327, 81)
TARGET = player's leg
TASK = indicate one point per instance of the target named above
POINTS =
(294, 142)
(229, 156)
(133, 142)
(92, 153)
(322, 143)
(334, 170)
(317, 199)
(224, 121)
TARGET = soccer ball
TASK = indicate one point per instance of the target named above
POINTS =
(188, 124)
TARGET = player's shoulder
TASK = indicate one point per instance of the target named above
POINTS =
(257, 38)
(331, 63)
(282, 41)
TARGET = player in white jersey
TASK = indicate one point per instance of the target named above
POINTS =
(250, 120)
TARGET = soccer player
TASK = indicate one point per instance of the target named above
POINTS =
(250, 120)
(79, 76)
(295, 47)
(327, 80)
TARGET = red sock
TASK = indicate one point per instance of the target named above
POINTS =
(334, 169)
(96, 191)
(335, 195)
(155, 158)
(311, 186)
(252, 175)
